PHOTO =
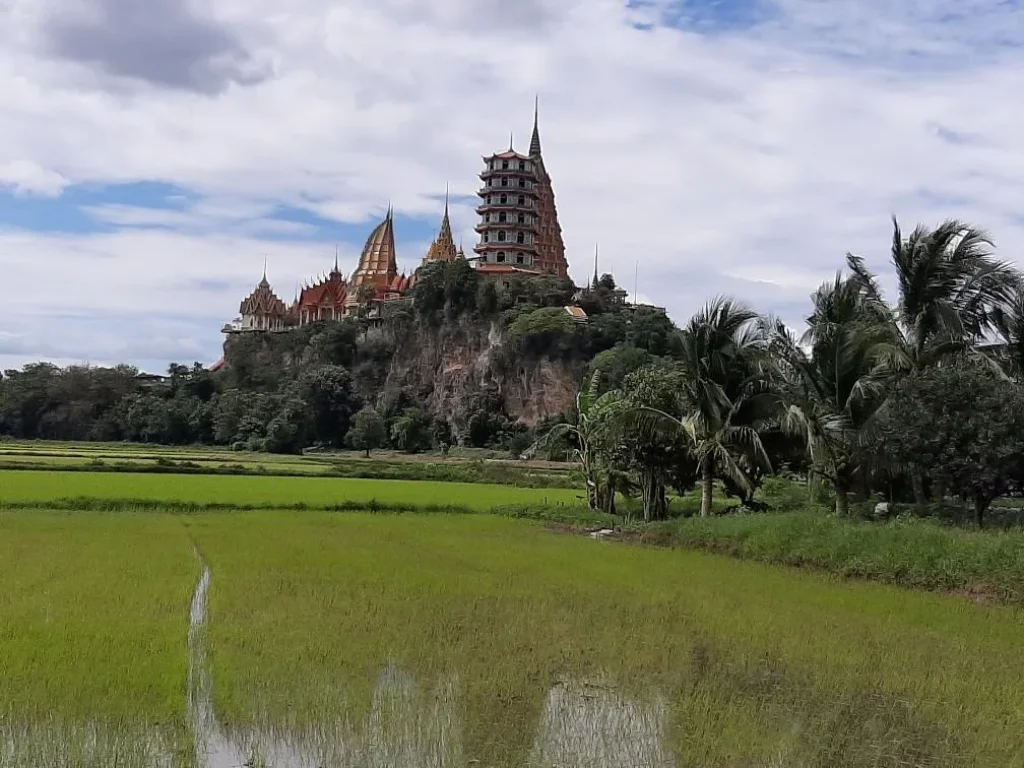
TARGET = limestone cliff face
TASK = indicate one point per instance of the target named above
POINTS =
(455, 369)
(450, 367)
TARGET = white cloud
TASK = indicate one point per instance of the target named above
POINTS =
(25, 177)
(742, 161)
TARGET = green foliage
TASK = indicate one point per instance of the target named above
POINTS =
(907, 552)
(548, 331)
(368, 431)
(962, 427)
(411, 431)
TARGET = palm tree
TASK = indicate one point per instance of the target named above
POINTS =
(725, 394)
(952, 293)
(834, 379)
(593, 420)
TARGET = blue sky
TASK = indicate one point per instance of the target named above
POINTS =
(151, 162)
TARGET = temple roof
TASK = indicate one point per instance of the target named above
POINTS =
(263, 301)
(331, 291)
(443, 247)
(378, 262)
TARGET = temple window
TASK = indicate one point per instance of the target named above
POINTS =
(522, 166)
(521, 238)
(504, 165)
(501, 236)
(500, 258)
(519, 258)
(522, 199)
(504, 181)
(522, 183)
(503, 199)
(502, 217)
(522, 218)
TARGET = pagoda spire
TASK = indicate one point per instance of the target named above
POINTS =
(336, 258)
(596, 246)
(535, 140)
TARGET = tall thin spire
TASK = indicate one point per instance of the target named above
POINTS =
(535, 140)
(595, 264)
(336, 258)
(264, 269)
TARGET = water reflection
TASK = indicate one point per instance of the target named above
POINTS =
(593, 725)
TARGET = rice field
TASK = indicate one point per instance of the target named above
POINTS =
(41, 486)
(453, 640)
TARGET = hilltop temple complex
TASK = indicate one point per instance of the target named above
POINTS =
(518, 233)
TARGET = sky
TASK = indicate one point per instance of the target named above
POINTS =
(154, 155)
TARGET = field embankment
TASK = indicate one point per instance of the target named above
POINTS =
(984, 565)
(463, 467)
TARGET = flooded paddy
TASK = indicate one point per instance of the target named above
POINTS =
(319, 639)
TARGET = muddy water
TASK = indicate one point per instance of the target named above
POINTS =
(583, 725)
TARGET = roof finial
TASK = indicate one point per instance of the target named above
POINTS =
(446, 199)
(264, 269)
(390, 211)
(335, 257)
(535, 140)
(596, 246)
(511, 134)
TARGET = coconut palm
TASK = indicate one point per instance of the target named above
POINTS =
(952, 291)
(725, 394)
(834, 378)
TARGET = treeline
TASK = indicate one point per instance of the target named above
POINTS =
(291, 391)
(910, 401)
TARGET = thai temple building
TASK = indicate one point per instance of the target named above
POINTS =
(518, 233)
(519, 229)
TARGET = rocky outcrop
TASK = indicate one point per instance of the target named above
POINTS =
(454, 366)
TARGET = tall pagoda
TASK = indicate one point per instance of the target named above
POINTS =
(519, 229)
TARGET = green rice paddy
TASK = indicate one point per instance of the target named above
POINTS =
(454, 640)
(33, 486)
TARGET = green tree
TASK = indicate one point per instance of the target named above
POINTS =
(368, 431)
(834, 381)
(593, 418)
(952, 292)
(965, 423)
(411, 431)
(723, 353)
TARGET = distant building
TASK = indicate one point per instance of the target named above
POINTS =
(519, 235)
(519, 229)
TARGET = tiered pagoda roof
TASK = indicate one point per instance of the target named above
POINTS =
(443, 247)
(263, 301)
(329, 294)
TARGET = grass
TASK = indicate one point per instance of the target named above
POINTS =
(33, 486)
(737, 663)
(912, 553)
(756, 663)
(92, 627)
(467, 467)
